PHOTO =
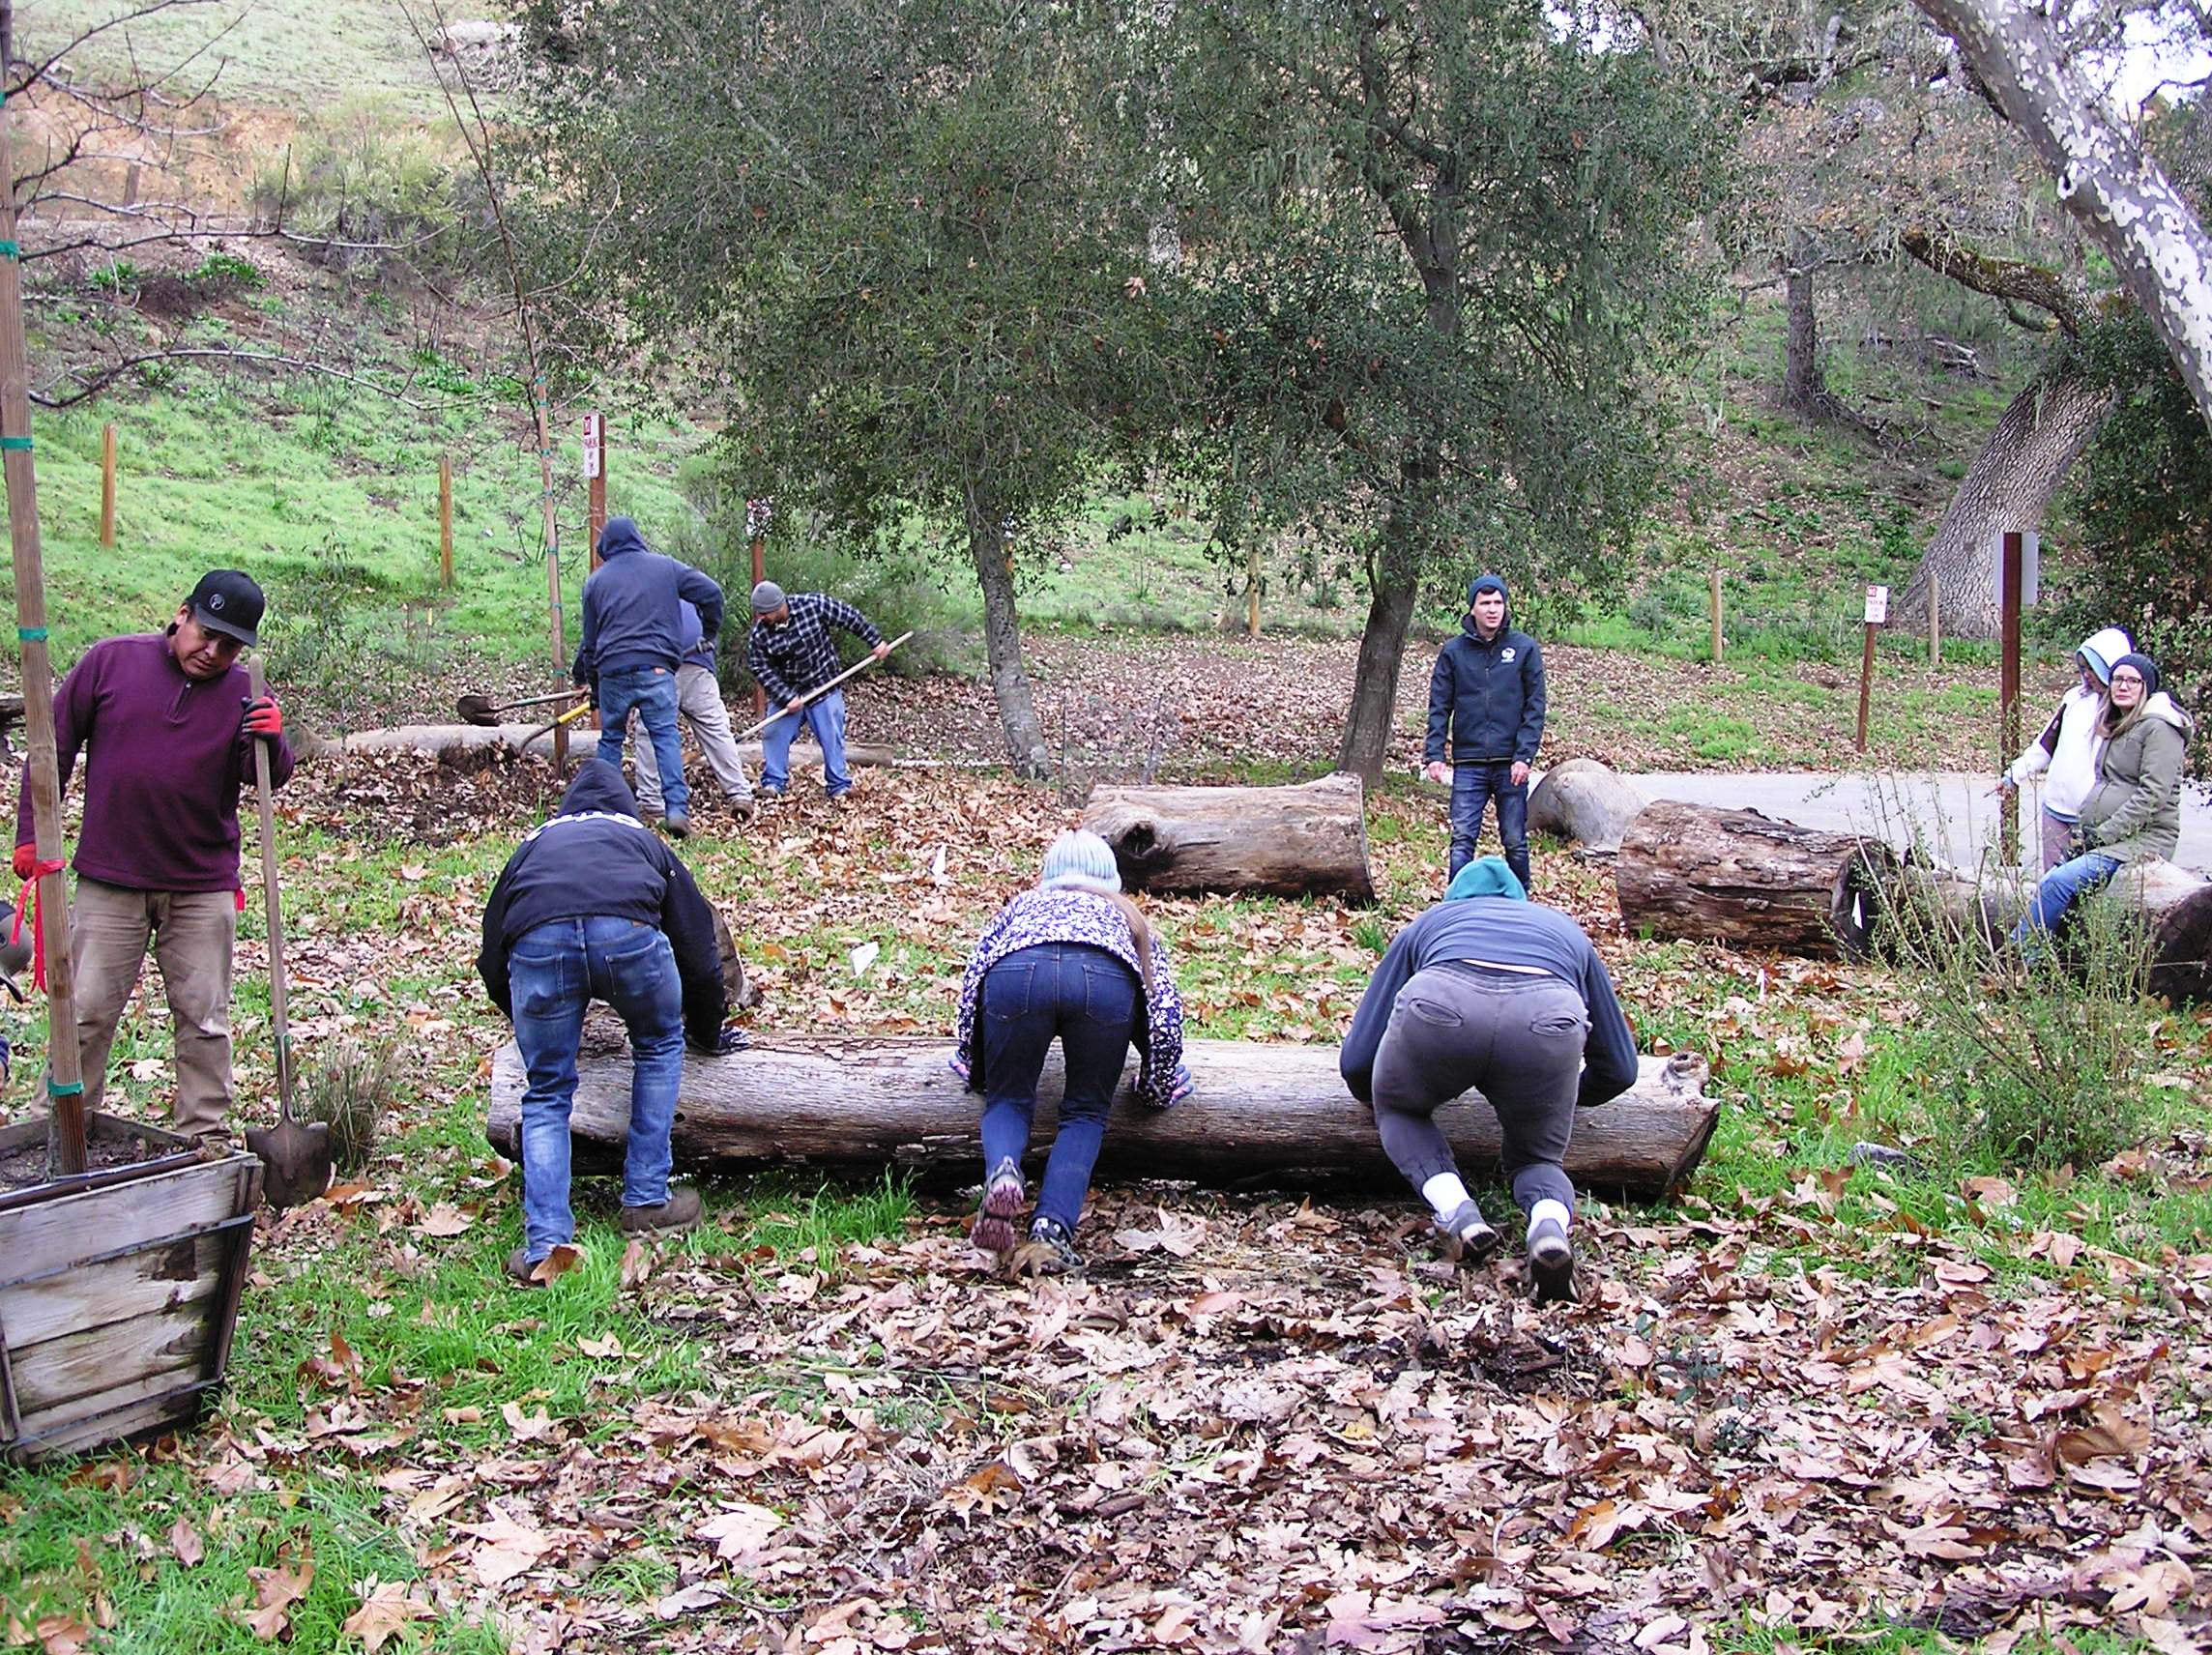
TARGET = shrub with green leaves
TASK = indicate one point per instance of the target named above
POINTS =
(387, 198)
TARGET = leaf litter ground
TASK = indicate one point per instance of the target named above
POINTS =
(1812, 1404)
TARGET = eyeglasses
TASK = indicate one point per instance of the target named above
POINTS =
(2120, 678)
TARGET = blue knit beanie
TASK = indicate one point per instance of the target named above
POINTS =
(1483, 583)
(1486, 876)
(1080, 860)
(2143, 665)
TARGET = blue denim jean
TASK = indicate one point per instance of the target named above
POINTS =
(651, 693)
(827, 719)
(2055, 893)
(555, 970)
(1087, 998)
(1475, 786)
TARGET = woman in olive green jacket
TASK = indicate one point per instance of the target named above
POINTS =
(2134, 811)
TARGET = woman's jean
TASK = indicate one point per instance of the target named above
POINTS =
(1089, 999)
(555, 970)
(826, 717)
(2056, 891)
(651, 693)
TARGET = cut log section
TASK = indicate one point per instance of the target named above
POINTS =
(1583, 802)
(1260, 1114)
(459, 742)
(1309, 839)
(1693, 872)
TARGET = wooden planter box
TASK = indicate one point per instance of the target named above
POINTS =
(118, 1291)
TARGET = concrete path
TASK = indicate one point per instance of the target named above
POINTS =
(1950, 810)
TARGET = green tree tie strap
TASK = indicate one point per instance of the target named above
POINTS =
(15, 445)
(65, 1089)
(11, 249)
(31, 634)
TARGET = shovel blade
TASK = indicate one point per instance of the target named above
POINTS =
(295, 1159)
(479, 710)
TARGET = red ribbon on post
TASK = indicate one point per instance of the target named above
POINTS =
(28, 899)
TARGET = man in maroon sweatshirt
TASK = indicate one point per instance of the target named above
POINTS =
(166, 721)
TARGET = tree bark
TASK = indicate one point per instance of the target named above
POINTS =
(1285, 841)
(866, 1105)
(2122, 197)
(2008, 486)
(1804, 387)
(1374, 712)
(1745, 879)
(475, 746)
(1003, 641)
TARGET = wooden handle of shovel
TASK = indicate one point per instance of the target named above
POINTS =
(279, 1015)
(814, 695)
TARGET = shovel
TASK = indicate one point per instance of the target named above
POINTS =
(483, 710)
(814, 695)
(296, 1154)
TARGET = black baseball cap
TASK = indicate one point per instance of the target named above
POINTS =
(228, 602)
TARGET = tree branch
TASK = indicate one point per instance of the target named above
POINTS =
(2015, 281)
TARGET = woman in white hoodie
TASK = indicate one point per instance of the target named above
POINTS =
(2067, 748)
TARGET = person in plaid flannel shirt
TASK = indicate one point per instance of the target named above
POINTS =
(791, 653)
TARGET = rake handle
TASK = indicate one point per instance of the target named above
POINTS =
(813, 695)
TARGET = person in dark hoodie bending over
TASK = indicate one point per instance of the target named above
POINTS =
(592, 906)
(1486, 698)
(1488, 991)
(633, 643)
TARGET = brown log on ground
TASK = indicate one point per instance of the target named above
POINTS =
(1746, 878)
(1309, 839)
(1260, 1113)
(2175, 904)
(457, 742)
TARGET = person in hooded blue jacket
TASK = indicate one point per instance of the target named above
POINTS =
(592, 906)
(1490, 991)
(632, 644)
(1486, 701)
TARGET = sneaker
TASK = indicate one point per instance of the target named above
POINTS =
(993, 1230)
(744, 809)
(677, 827)
(1550, 1264)
(1050, 1251)
(678, 1212)
(1469, 1237)
(521, 1268)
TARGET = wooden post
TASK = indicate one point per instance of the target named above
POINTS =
(756, 524)
(65, 1077)
(1934, 619)
(1719, 646)
(551, 528)
(2008, 562)
(1876, 612)
(595, 475)
(1252, 613)
(445, 523)
(107, 486)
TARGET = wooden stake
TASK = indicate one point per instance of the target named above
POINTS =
(2009, 564)
(760, 573)
(1935, 619)
(1719, 649)
(1876, 612)
(107, 486)
(65, 1077)
(1252, 614)
(445, 523)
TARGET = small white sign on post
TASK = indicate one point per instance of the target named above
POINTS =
(594, 432)
(1877, 605)
(2031, 567)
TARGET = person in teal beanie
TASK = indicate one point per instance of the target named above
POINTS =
(1489, 992)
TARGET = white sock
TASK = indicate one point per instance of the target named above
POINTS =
(1445, 1193)
(1548, 1208)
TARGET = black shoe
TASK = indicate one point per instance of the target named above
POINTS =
(1469, 1237)
(1050, 1251)
(677, 827)
(1551, 1263)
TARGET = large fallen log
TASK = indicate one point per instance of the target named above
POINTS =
(1309, 839)
(1260, 1113)
(459, 742)
(1695, 872)
(2174, 903)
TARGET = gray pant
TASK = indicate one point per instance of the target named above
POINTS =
(1515, 1038)
(699, 702)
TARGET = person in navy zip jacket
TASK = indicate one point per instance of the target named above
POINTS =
(633, 644)
(1486, 698)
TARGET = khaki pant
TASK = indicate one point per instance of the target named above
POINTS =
(191, 932)
(699, 702)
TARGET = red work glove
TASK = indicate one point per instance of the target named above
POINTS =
(26, 862)
(264, 717)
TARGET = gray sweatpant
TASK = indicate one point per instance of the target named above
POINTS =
(1515, 1038)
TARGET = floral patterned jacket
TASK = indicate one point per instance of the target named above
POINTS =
(1079, 916)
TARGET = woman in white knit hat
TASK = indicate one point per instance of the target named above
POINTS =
(1073, 959)
(2067, 748)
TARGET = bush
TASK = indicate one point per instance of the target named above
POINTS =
(363, 175)
(351, 1089)
(2027, 1060)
